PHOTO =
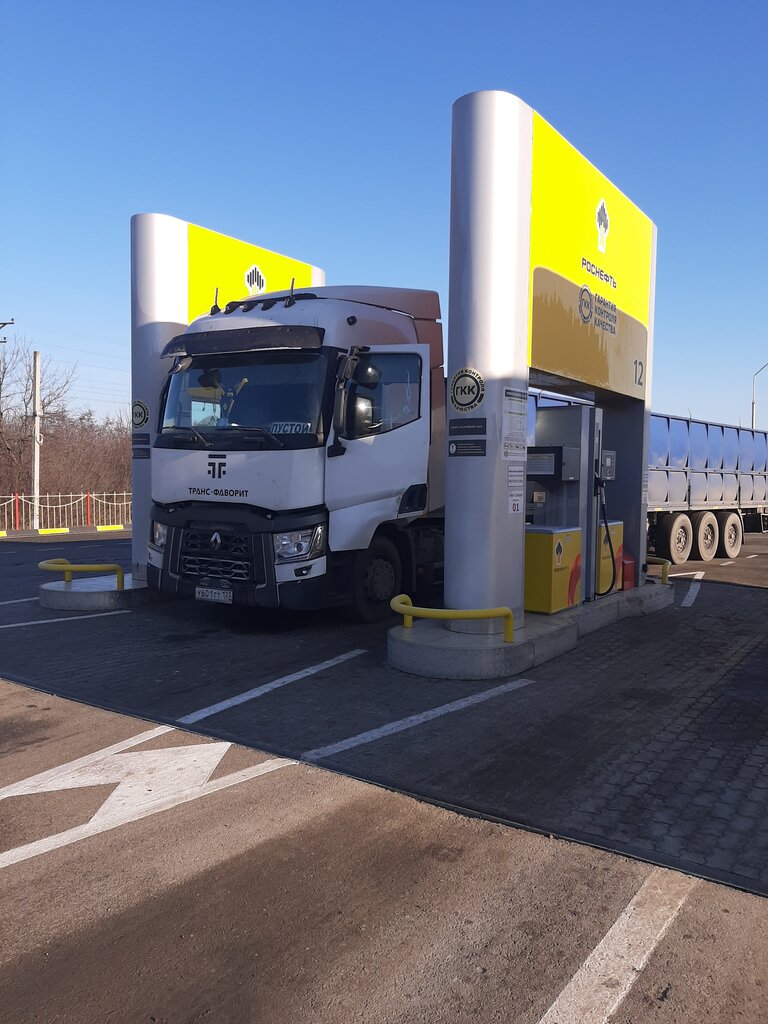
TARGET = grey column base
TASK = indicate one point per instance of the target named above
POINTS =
(429, 649)
(94, 594)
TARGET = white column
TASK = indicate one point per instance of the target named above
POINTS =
(488, 333)
(159, 251)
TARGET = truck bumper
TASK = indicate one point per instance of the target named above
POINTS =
(243, 561)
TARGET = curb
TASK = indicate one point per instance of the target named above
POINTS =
(94, 594)
(87, 531)
(429, 649)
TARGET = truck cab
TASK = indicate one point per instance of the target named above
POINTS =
(299, 454)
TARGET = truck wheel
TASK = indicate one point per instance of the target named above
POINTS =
(706, 536)
(378, 577)
(674, 537)
(731, 534)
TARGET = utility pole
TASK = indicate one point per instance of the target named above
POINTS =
(37, 440)
(753, 393)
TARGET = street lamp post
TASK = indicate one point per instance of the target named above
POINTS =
(753, 393)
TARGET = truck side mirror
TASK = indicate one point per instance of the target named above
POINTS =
(339, 421)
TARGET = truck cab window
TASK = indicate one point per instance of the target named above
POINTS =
(384, 393)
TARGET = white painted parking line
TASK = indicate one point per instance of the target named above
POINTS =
(412, 721)
(693, 590)
(751, 556)
(65, 618)
(19, 600)
(148, 781)
(727, 563)
(602, 982)
(259, 691)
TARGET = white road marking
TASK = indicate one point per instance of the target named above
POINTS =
(751, 556)
(411, 722)
(53, 773)
(602, 982)
(693, 590)
(19, 600)
(259, 691)
(727, 563)
(65, 618)
(149, 781)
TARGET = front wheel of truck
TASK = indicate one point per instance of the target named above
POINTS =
(378, 578)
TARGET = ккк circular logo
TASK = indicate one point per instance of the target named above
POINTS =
(467, 390)
(585, 304)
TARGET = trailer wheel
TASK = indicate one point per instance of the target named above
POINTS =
(674, 537)
(378, 578)
(731, 534)
(706, 536)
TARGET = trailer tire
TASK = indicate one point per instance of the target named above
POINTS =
(378, 578)
(674, 537)
(706, 536)
(731, 534)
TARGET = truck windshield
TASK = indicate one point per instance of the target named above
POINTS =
(266, 399)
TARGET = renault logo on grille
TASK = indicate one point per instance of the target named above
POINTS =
(216, 540)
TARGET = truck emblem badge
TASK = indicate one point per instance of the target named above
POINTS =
(255, 281)
(217, 465)
(467, 390)
(216, 540)
(603, 224)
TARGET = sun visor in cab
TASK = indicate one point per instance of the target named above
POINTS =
(245, 339)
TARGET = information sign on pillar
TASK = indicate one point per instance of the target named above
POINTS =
(176, 268)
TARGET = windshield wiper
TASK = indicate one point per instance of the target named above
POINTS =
(255, 430)
(192, 430)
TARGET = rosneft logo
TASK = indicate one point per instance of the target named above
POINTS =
(255, 281)
(603, 224)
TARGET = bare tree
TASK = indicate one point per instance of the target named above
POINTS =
(80, 453)
(16, 403)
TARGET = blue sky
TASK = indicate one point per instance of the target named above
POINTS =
(323, 131)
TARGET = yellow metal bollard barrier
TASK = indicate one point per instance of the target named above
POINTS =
(63, 565)
(403, 605)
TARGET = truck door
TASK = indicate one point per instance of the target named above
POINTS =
(383, 424)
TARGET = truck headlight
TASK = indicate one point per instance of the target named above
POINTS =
(300, 545)
(159, 534)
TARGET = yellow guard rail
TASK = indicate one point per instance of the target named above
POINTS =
(665, 564)
(65, 566)
(403, 605)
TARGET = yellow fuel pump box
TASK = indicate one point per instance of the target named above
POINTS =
(604, 556)
(552, 568)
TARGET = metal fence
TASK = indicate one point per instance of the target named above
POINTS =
(61, 511)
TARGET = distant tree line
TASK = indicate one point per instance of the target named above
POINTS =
(79, 452)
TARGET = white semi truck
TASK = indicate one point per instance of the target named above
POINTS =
(299, 459)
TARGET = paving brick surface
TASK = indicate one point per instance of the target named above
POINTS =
(651, 738)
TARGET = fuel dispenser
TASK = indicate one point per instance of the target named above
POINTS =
(571, 548)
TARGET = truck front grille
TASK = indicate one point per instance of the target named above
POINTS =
(236, 556)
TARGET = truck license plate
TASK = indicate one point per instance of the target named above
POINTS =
(210, 594)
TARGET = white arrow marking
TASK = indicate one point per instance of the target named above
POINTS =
(149, 781)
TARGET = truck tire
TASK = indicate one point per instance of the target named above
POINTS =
(706, 536)
(378, 578)
(731, 534)
(674, 537)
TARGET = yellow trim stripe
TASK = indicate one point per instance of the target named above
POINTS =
(58, 529)
(3, 533)
(101, 529)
